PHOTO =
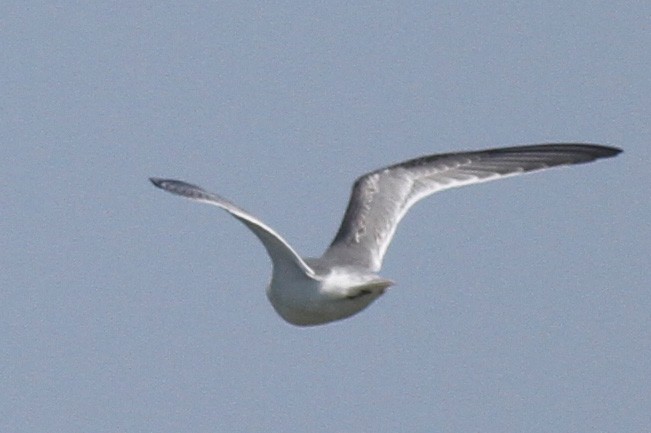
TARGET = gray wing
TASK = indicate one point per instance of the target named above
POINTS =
(283, 256)
(381, 198)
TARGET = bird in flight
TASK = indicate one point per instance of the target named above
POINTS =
(345, 280)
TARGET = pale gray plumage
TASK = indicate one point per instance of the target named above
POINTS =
(344, 281)
(381, 198)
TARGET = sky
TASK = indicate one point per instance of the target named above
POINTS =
(520, 305)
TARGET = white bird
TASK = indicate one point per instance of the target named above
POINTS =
(344, 281)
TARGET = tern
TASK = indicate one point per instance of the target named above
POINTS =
(345, 280)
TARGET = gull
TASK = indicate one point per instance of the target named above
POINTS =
(345, 280)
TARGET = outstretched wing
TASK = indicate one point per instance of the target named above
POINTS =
(381, 198)
(283, 256)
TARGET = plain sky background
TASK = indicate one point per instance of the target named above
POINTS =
(520, 306)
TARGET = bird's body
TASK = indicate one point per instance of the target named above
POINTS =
(344, 280)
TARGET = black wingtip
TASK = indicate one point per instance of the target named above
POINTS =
(607, 151)
(157, 182)
(615, 150)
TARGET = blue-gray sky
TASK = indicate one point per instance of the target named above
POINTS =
(521, 305)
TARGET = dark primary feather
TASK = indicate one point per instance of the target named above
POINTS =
(185, 189)
(381, 198)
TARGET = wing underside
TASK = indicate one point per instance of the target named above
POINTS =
(283, 256)
(381, 198)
